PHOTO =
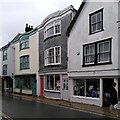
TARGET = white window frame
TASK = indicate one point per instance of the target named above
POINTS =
(50, 25)
(89, 54)
(103, 51)
(48, 80)
(46, 56)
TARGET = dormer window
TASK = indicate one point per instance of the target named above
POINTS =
(53, 28)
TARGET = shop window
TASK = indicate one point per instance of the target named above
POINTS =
(52, 82)
(87, 88)
(92, 88)
(79, 88)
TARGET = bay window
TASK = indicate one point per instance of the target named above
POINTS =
(53, 28)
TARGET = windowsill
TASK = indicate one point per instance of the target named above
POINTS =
(84, 97)
(54, 64)
(24, 68)
(24, 48)
(55, 91)
(52, 36)
(103, 63)
(96, 32)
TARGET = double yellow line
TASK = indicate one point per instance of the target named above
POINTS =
(5, 116)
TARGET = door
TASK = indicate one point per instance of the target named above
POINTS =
(41, 86)
(34, 88)
(107, 83)
(65, 89)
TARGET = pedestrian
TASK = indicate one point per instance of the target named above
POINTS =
(113, 97)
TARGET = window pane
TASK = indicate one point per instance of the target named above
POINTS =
(99, 17)
(57, 29)
(100, 47)
(57, 82)
(51, 55)
(107, 46)
(47, 82)
(99, 26)
(57, 51)
(106, 56)
(79, 87)
(51, 82)
(93, 19)
(50, 31)
(92, 88)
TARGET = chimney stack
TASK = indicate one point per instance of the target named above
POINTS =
(28, 28)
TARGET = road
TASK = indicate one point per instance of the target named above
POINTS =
(14, 107)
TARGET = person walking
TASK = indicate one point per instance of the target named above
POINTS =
(113, 98)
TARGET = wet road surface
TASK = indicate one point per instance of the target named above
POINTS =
(15, 107)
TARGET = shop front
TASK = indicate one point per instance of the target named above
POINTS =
(7, 84)
(25, 84)
(86, 91)
(52, 88)
(93, 91)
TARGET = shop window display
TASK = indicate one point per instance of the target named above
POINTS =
(87, 88)
(52, 82)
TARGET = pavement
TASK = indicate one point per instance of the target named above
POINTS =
(104, 111)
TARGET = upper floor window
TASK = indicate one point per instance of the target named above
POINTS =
(5, 55)
(98, 52)
(24, 42)
(103, 51)
(4, 69)
(53, 28)
(89, 53)
(24, 62)
(96, 21)
(53, 56)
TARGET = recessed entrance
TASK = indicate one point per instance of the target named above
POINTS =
(107, 83)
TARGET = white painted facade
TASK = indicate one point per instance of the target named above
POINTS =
(80, 36)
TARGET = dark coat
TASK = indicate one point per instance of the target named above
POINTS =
(113, 96)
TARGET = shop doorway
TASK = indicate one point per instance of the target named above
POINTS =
(107, 83)
(65, 89)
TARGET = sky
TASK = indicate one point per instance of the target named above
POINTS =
(14, 14)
